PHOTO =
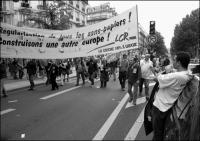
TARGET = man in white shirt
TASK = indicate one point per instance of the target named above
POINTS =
(170, 86)
(147, 70)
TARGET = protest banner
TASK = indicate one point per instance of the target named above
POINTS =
(116, 34)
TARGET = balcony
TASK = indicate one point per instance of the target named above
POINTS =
(100, 17)
(71, 2)
(83, 9)
(25, 5)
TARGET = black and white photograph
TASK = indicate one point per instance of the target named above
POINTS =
(99, 70)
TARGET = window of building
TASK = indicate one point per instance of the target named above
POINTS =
(71, 2)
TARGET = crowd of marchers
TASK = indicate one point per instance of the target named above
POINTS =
(171, 75)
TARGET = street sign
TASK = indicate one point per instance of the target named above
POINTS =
(152, 39)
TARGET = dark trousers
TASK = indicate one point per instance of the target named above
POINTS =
(48, 81)
(54, 83)
(21, 74)
(146, 84)
(15, 75)
(31, 80)
(91, 77)
(78, 77)
(103, 84)
(158, 121)
(122, 79)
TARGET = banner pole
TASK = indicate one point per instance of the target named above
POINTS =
(138, 31)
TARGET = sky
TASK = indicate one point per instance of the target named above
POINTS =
(166, 14)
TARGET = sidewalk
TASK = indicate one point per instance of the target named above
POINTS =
(12, 85)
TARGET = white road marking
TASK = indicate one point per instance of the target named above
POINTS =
(7, 111)
(12, 101)
(59, 93)
(132, 134)
(104, 129)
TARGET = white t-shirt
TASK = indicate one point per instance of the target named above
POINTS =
(170, 86)
(145, 68)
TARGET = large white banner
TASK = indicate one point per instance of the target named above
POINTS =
(117, 34)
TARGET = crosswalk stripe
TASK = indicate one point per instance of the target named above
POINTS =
(132, 134)
(7, 111)
(104, 129)
(61, 92)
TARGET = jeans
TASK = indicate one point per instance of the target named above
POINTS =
(31, 78)
(133, 95)
(146, 84)
(78, 77)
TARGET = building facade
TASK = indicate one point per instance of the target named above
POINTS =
(142, 40)
(14, 12)
(100, 13)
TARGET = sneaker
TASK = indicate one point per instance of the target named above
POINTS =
(57, 87)
(30, 89)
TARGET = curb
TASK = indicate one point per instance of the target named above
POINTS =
(24, 87)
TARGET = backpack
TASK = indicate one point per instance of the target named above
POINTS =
(183, 119)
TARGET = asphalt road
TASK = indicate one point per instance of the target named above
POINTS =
(72, 113)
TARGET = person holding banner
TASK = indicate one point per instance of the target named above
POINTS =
(53, 74)
(80, 71)
(47, 68)
(62, 72)
(123, 68)
(92, 68)
(68, 68)
(104, 76)
(31, 71)
(3, 76)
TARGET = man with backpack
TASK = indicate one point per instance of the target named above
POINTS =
(170, 86)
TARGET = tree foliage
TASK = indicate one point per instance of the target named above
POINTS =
(159, 47)
(54, 16)
(186, 34)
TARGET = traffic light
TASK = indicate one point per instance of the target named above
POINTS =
(152, 27)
